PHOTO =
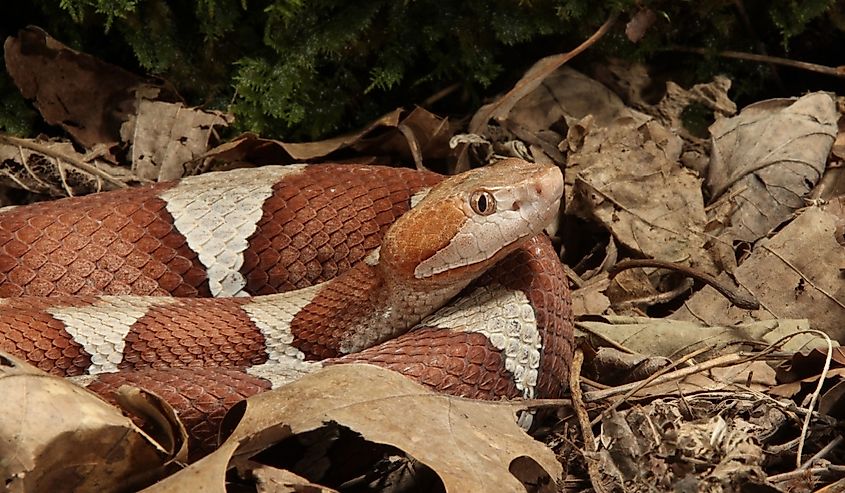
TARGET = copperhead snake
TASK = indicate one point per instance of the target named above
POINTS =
(175, 287)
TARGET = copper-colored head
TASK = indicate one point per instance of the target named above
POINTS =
(471, 220)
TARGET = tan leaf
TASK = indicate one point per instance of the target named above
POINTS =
(567, 95)
(633, 81)
(305, 151)
(470, 445)
(838, 148)
(766, 160)
(160, 419)
(500, 108)
(755, 375)
(419, 137)
(272, 480)
(167, 137)
(590, 299)
(627, 177)
(56, 436)
(671, 338)
(795, 274)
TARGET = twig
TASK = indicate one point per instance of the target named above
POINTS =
(806, 426)
(724, 360)
(47, 151)
(736, 298)
(835, 487)
(584, 421)
(437, 96)
(739, 55)
(644, 383)
(540, 403)
(779, 478)
(823, 452)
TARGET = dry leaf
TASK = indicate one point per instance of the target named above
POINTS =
(617, 367)
(795, 274)
(420, 136)
(809, 362)
(534, 117)
(627, 177)
(671, 338)
(167, 137)
(56, 436)
(55, 168)
(630, 286)
(590, 299)
(159, 419)
(85, 96)
(766, 160)
(658, 447)
(754, 375)
(633, 82)
(306, 151)
(838, 148)
(499, 109)
(470, 445)
(569, 96)
(272, 480)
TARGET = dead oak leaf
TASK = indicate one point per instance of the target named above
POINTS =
(57, 436)
(765, 160)
(470, 445)
(167, 138)
(418, 136)
(628, 178)
(794, 274)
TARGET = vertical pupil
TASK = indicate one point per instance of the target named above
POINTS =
(482, 203)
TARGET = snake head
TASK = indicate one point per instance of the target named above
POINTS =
(470, 221)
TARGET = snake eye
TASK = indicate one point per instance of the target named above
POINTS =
(483, 203)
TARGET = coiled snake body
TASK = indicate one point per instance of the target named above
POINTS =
(175, 287)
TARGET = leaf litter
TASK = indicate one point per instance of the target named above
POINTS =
(682, 390)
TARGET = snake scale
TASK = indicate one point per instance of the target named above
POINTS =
(210, 289)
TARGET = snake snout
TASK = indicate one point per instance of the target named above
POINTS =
(550, 184)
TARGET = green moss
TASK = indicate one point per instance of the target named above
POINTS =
(304, 69)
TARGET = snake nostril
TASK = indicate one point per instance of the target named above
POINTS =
(539, 189)
(516, 205)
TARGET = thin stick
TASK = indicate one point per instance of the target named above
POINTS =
(584, 421)
(724, 360)
(806, 426)
(645, 383)
(47, 151)
(735, 297)
(739, 55)
(777, 478)
(823, 452)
